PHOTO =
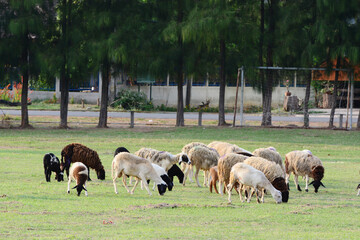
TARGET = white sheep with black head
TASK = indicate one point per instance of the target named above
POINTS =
(247, 176)
(78, 173)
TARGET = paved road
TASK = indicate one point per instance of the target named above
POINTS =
(318, 117)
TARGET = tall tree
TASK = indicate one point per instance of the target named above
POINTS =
(27, 23)
(211, 25)
(335, 33)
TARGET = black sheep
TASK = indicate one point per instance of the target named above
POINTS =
(52, 164)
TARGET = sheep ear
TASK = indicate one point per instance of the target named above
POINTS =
(84, 188)
(322, 184)
(75, 187)
(311, 183)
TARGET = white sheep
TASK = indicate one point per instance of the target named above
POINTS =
(203, 158)
(225, 164)
(270, 154)
(304, 163)
(164, 176)
(246, 175)
(223, 148)
(273, 172)
(79, 173)
(127, 164)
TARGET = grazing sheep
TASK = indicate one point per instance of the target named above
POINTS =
(225, 164)
(127, 164)
(76, 152)
(246, 175)
(273, 172)
(161, 158)
(164, 176)
(304, 163)
(52, 164)
(214, 176)
(184, 167)
(120, 149)
(224, 148)
(202, 157)
(270, 154)
(79, 173)
(176, 171)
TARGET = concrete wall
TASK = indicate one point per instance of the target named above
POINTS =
(167, 95)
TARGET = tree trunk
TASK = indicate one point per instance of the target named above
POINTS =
(222, 121)
(188, 93)
(25, 87)
(267, 92)
(104, 95)
(64, 98)
(358, 121)
(64, 71)
(334, 95)
(180, 102)
(306, 101)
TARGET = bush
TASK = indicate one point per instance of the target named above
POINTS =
(131, 100)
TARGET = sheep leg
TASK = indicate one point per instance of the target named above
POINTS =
(197, 176)
(136, 183)
(124, 183)
(307, 183)
(68, 190)
(240, 192)
(88, 174)
(114, 181)
(229, 188)
(47, 174)
(250, 195)
(287, 180)
(297, 182)
(86, 194)
(206, 178)
(146, 185)
(186, 173)
(221, 187)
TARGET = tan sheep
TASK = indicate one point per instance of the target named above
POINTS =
(225, 164)
(270, 154)
(186, 149)
(127, 164)
(164, 159)
(273, 172)
(304, 163)
(202, 158)
(224, 148)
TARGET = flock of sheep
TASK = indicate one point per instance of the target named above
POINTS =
(259, 172)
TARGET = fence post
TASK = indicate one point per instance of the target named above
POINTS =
(131, 119)
(200, 119)
(341, 121)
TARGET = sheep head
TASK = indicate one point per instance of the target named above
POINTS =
(79, 188)
(101, 174)
(161, 188)
(280, 184)
(184, 158)
(317, 174)
(166, 179)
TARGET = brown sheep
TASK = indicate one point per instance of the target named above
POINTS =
(214, 178)
(76, 152)
(225, 164)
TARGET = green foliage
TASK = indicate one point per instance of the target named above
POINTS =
(131, 100)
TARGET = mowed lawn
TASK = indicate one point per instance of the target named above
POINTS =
(31, 208)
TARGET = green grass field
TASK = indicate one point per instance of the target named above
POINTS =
(31, 208)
